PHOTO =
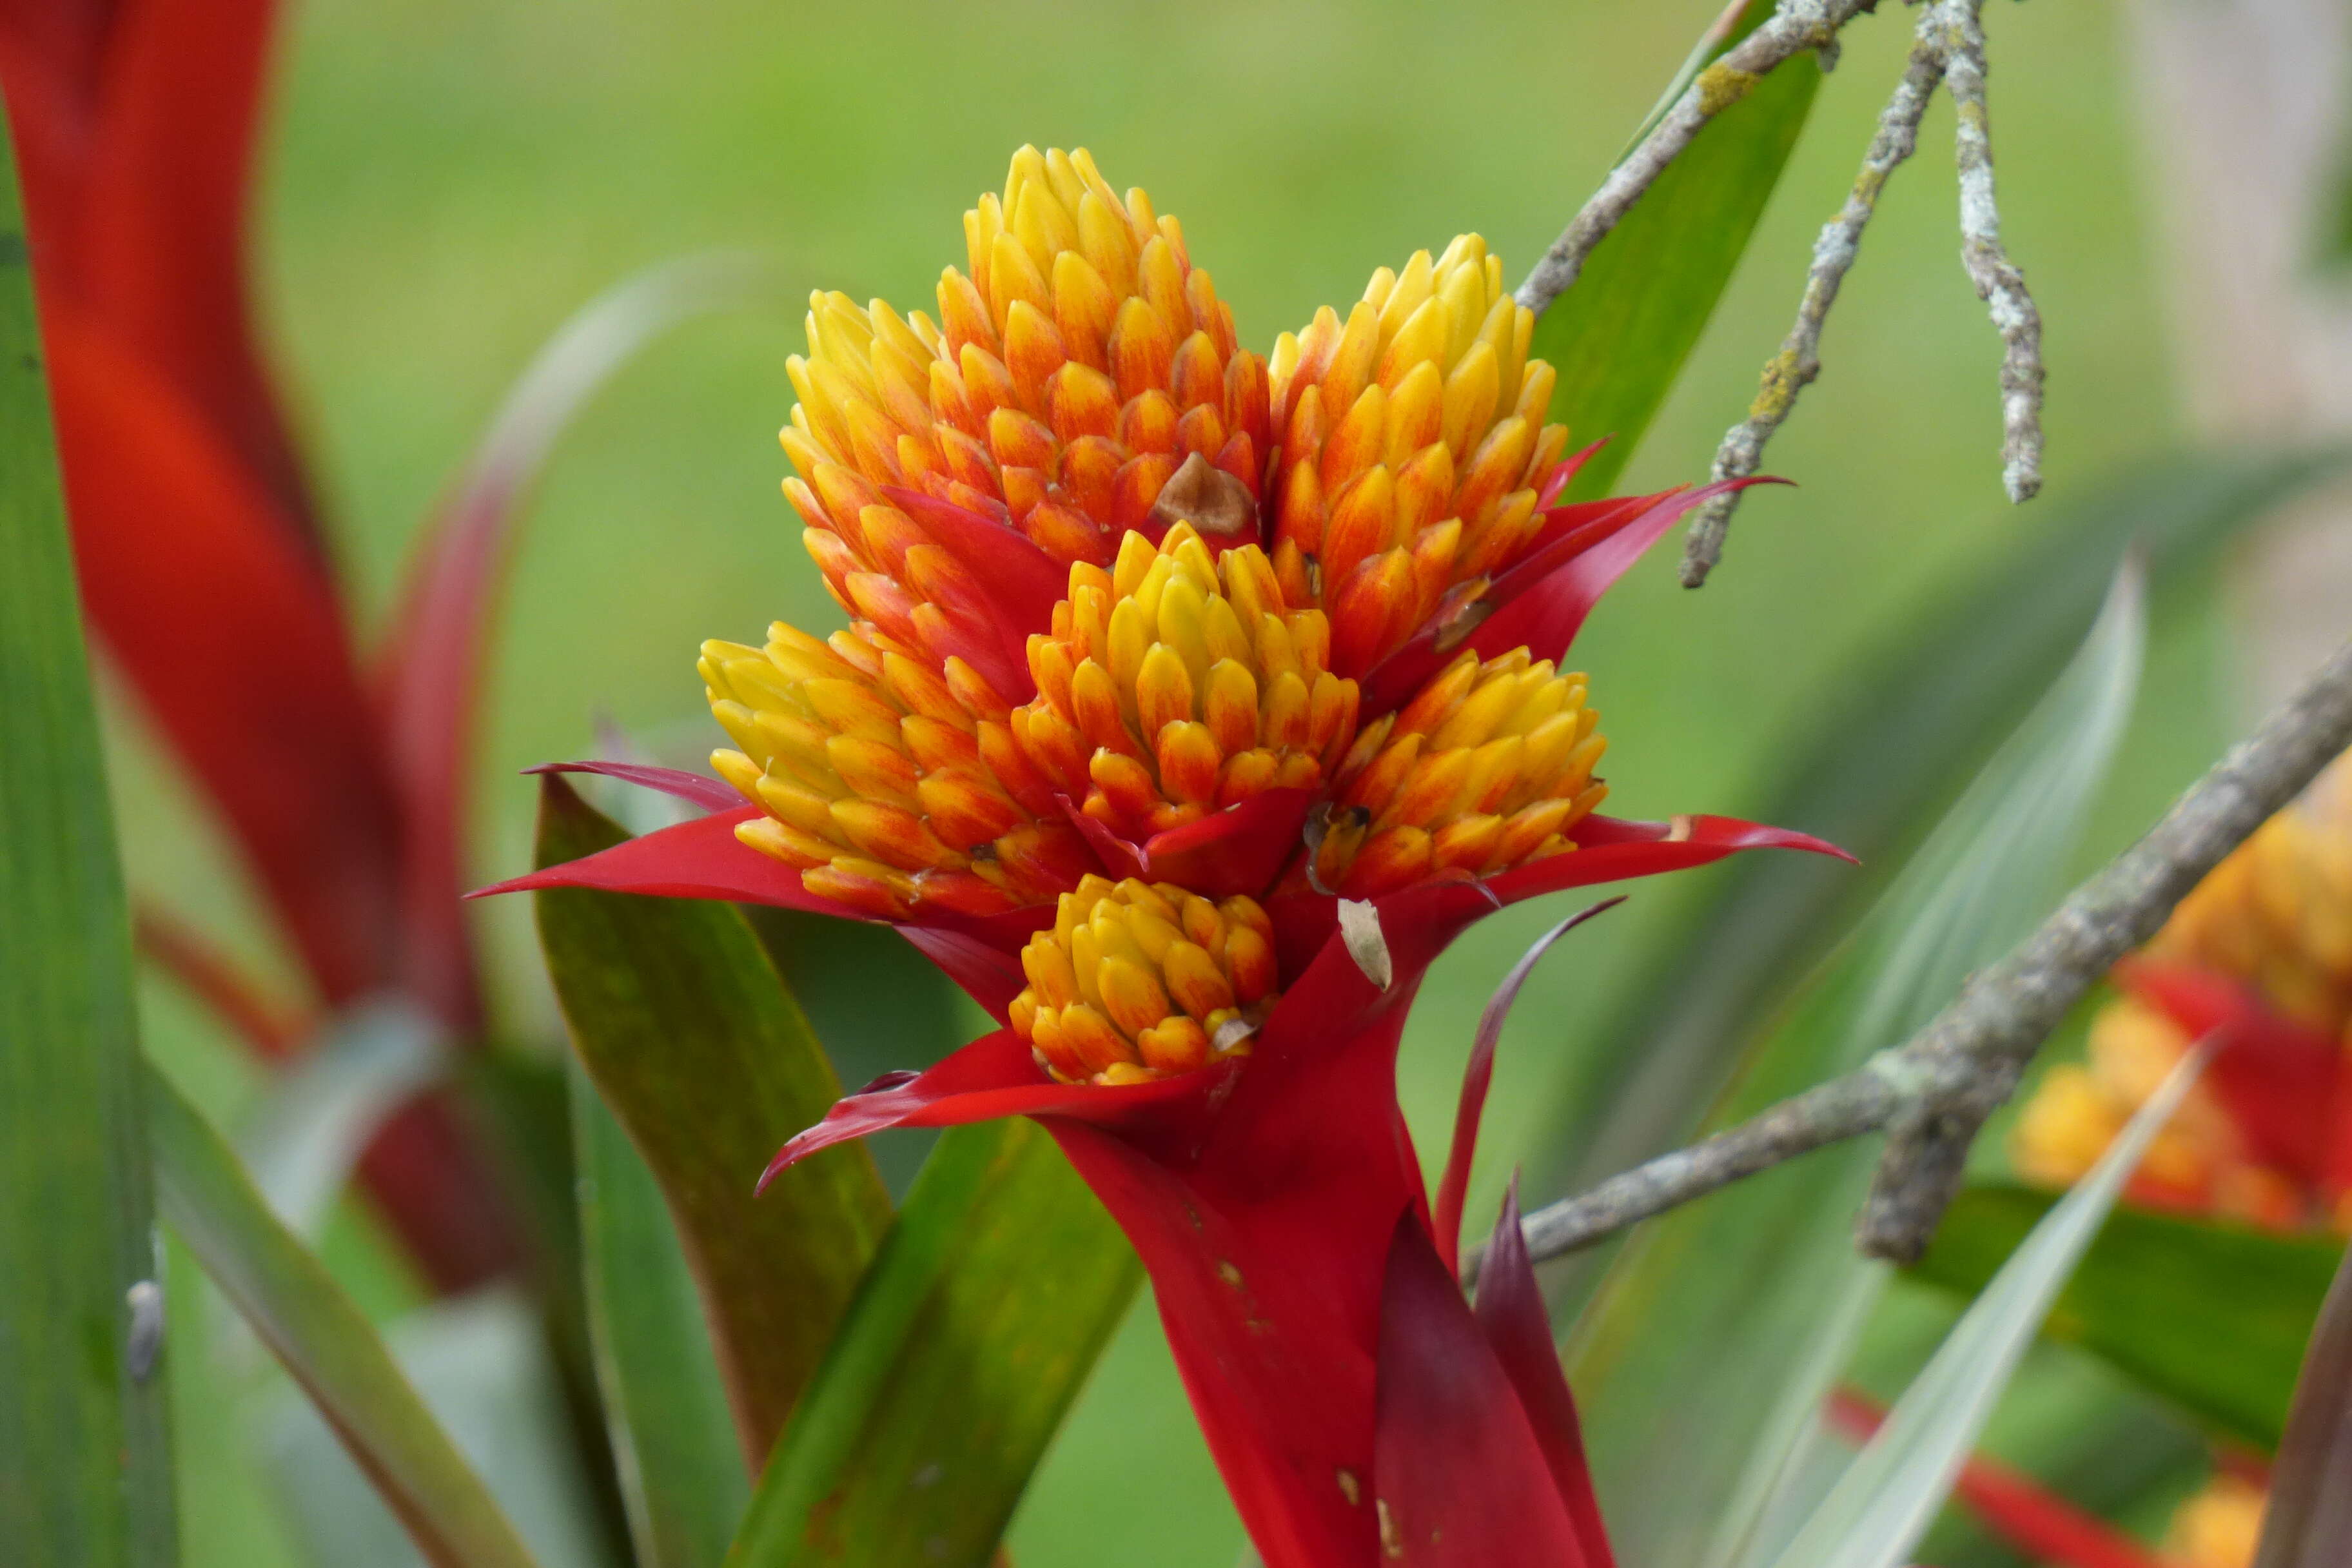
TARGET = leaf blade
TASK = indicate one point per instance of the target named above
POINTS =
(2155, 1293)
(1883, 1503)
(1716, 1314)
(82, 1441)
(2309, 1521)
(1618, 337)
(323, 1340)
(999, 1286)
(680, 1021)
(666, 1406)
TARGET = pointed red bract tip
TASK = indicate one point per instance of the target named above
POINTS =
(711, 794)
(1565, 474)
(1240, 849)
(1479, 1074)
(2282, 1080)
(992, 1078)
(1511, 1310)
(1459, 1478)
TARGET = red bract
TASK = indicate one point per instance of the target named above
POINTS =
(203, 567)
(2281, 1082)
(1190, 706)
(1275, 1197)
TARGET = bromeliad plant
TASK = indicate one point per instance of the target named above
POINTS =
(1192, 702)
(1190, 705)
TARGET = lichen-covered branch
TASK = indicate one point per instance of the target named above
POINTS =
(1796, 26)
(1948, 49)
(1793, 369)
(1843, 1107)
(1976, 1049)
(1998, 281)
(1933, 1093)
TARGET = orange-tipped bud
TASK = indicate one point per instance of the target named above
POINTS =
(1077, 341)
(1427, 385)
(1136, 981)
(1155, 686)
(870, 768)
(2276, 917)
(1489, 766)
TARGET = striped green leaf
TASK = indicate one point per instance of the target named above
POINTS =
(85, 1469)
(296, 1308)
(986, 1309)
(1618, 337)
(709, 1065)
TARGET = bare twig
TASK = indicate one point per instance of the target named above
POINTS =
(1998, 281)
(1949, 49)
(1933, 1092)
(1797, 25)
(1793, 369)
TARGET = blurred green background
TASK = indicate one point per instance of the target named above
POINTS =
(447, 180)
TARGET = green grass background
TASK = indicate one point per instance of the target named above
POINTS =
(446, 179)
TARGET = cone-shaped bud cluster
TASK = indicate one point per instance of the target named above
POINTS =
(2275, 916)
(888, 786)
(1074, 367)
(1177, 683)
(2199, 1160)
(1136, 981)
(1489, 767)
(2277, 913)
(2220, 1526)
(1412, 442)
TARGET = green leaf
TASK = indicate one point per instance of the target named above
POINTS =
(323, 1340)
(1878, 1510)
(1711, 1344)
(1919, 713)
(990, 1300)
(2158, 1293)
(877, 1004)
(1618, 337)
(707, 1062)
(85, 1465)
(665, 1403)
(2308, 1523)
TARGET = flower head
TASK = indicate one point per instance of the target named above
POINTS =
(1134, 692)
(2261, 948)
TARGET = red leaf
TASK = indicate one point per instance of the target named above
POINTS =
(234, 641)
(1018, 584)
(2279, 1078)
(134, 127)
(2037, 1522)
(704, 860)
(1542, 599)
(1511, 1312)
(1545, 614)
(433, 663)
(1240, 849)
(992, 1078)
(1460, 1479)
(710, 793)
(1562, 476)
(1612, 850)
(1480, 1073)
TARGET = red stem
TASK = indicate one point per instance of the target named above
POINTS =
(2018, 1509)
